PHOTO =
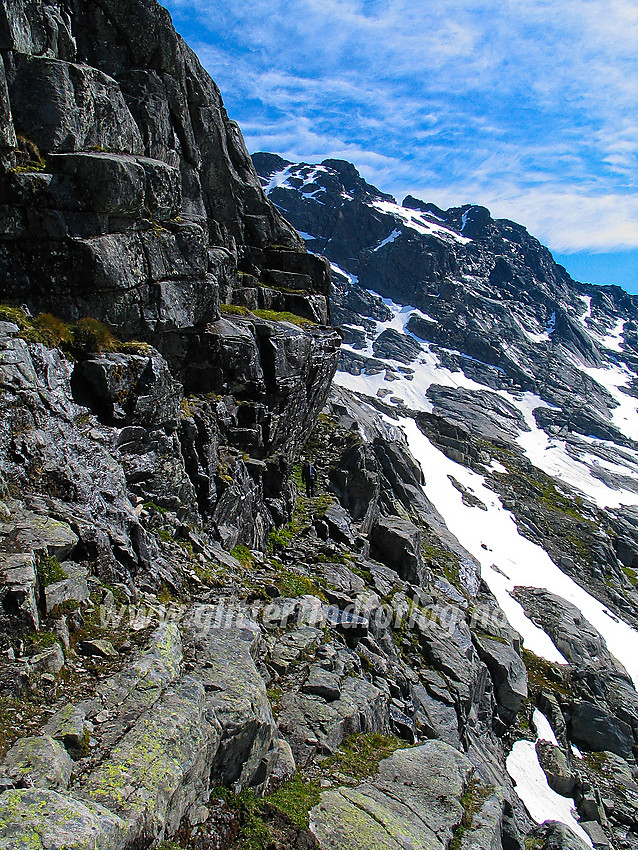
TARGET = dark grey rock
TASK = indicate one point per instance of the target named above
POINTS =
(322, 683)
(557, 836)
(397, 543)
(508, 673)
(595, 728)
(560, 777)
(396, 346)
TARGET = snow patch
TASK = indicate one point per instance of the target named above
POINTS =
(544, 731)
(625, 416)
(507, 558)
(538, 798)
(395, 233)
(418, 221)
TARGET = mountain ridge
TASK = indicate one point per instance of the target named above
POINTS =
(433, 648)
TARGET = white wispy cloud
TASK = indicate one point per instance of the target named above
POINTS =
(528, 107)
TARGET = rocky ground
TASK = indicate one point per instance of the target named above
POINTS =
(193, 653)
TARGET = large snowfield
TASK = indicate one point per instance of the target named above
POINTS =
(490, 533)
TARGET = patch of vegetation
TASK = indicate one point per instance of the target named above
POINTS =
(38, 641)
(280, 538)
(69, 606)
(534, 842)
(294, 799)
(358, 756)
(151, 506)
(274, 316)
(49, 571)
(268, 315)
(631, 575)
(94, 627)
(274, 695)
(242, 554)
(441, 560)
(293, 585)
(472, 801)
(254, 833)
(542, 675)
(487, 636)
(165, 535)
(208, 574)
(28, 157)
(86, 336)
(234, 310)
(595, 761)
(92, 335)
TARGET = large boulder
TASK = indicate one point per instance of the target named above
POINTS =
(38, 761)
(131, 389)
(397, 543)
(415, 800)
(225, 643)
(507, 671)
(39, 817)
(560, 777)
(69, 107)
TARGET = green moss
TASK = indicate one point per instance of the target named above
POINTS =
(39, 641)
(151, 506)
(293, 585)
(280, 538)
(243, 555)
(273, 316)
(472, 801)
(534, 842)
(631, 575)
(269, 315)
(295, 798)
(49, 571)
(82, 748)
(234, 310)
(358, 756)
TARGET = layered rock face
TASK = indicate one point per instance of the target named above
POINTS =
(129, 197)
(193, 652)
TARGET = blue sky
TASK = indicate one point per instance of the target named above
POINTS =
(528, 107)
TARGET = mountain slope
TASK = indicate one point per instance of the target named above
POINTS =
(516, 389)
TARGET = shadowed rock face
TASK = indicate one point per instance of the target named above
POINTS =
(128, 196)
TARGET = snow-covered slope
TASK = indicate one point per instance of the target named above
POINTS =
(517, 391)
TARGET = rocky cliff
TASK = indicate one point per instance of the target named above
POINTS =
(198, 653)
(516, 389)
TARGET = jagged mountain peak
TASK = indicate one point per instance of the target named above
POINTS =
(482, 293)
